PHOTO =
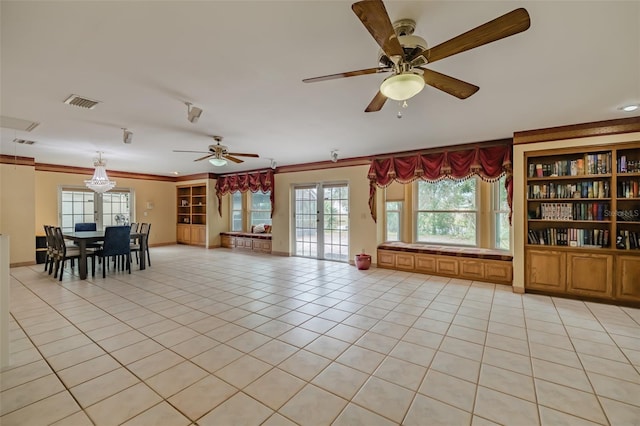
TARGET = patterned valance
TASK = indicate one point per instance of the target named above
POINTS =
(490, 163)
(254, 182)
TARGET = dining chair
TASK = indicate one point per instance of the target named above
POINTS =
(52, 253)
(117, 241)
(145, 229)
(64, 253)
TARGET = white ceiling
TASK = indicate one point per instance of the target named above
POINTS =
(243, 63)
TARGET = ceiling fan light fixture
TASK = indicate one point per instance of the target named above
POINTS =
(401, 87)
(218, 162)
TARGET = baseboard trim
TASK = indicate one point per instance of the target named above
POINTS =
(19, 264)
(281, 253)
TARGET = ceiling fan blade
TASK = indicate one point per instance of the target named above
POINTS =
(375, 18)
(376, 103)
(458, 88)
(204, 158)
(506, 25)
(234, 159)
(347, 74)
(197, 152)
(243, 155)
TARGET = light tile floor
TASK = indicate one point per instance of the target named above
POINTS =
(211, 337)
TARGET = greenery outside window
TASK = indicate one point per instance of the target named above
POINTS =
(393, 221)
(447, 212)
(260, 208)
(236, 211)
(502, 236)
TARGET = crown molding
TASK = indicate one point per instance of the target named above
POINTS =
(583, 130)
(15, 160)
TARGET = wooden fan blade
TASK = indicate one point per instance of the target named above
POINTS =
(197, 152)
(234, 159)
(375, 18)
(376, 103)
(506, 25)
(204, 158)
(243, 155)
(347, 74)
(458, 88)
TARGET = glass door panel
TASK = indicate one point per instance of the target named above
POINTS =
(322, 223)
(306, 221)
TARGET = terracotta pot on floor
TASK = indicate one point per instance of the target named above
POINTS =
(363, 261)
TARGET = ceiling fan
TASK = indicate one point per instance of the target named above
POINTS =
(219, 154)
(404, 54)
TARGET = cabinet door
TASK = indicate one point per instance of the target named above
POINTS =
(628, 277)
(426, 263)
(184, 234)
(545, 270)
(471, 269)
(498, 271)
(405, 261)
(198, 235)
(386, 259)
(590, 274)
(226, 241)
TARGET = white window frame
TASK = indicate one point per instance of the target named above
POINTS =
(98, 211)
(386, 219)
(233, 210)
(251, 210)
(417, 211)
(496, 187)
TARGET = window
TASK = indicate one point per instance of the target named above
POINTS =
(260, 211)
(393, 211)
(502, 238)
(79, 205)
(236, 211)
(447, 212)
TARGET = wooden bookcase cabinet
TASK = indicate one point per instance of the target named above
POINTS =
(571, 246)
(192, 214)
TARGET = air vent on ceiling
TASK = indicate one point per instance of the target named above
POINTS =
(17, 123)
(81, 102)
(24, 141)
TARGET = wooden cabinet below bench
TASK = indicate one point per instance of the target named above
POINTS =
(246, 241)
(470, 264)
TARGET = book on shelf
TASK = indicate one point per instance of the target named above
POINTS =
(572, 237)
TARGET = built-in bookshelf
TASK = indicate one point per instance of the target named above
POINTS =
(192, 214)
(583, 221)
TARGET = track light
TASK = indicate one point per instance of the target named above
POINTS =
(334, 156)
(127, 136)
(193, 113)
(273, 164)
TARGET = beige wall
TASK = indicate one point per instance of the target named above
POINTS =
(17, 211)
(362, 228)
(519, 173)
(161, 194)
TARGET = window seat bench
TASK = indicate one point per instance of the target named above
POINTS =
(246, 241)
(469, 263)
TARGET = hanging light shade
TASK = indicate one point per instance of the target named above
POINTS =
(401, 87)
(100, 181)
(218, 162)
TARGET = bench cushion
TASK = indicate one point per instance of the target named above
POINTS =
(248, 235)
(474, 252)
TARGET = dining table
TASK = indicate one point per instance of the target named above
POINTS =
(82, 238)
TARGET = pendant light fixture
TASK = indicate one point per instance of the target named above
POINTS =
(100, 181)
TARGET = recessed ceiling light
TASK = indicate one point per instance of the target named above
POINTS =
(630, 108)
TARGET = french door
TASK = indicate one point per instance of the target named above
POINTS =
(321, 213)
(79, 205)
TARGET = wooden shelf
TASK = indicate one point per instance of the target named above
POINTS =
(192, 217)
(594, 272)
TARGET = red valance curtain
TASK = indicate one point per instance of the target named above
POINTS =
(254, 182)
(489, 163)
